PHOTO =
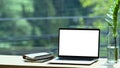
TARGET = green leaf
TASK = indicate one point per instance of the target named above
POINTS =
(110, 16)
(109, 22)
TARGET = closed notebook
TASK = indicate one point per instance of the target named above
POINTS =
(43, 56)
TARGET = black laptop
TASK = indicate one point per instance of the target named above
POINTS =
(78, 46)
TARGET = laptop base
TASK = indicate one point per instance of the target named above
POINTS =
(76, 62)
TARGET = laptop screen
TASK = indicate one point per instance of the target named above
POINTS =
(79, 42)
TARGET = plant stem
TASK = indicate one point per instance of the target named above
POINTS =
(115, 23)
(115, 16)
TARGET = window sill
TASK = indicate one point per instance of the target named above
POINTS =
(10, 61)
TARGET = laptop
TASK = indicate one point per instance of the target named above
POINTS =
(78, 46)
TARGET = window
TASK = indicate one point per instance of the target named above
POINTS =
(28, 26)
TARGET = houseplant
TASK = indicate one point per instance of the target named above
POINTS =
(112, 20)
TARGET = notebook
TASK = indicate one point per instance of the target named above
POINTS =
(78, 46)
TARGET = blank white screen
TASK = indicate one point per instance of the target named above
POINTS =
(78, 42)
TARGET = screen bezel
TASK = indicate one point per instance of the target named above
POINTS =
(75, 57)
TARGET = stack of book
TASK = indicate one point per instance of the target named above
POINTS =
(38, 57)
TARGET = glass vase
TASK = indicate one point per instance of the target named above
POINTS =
(113, 46)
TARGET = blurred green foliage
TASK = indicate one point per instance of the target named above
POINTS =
(38, 20)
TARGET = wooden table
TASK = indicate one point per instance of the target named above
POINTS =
(10, 61)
